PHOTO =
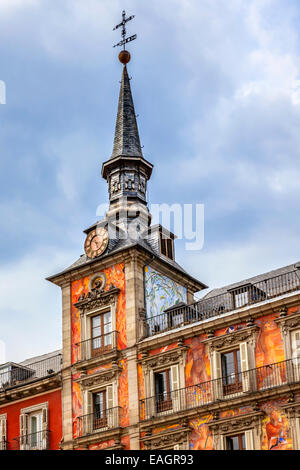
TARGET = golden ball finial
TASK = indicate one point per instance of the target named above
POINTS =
(124, 57)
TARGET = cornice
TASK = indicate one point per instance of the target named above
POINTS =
(165, 358)
(99, 436)
(96, 298)
(27, 390)
(99, 378)
(236, 423)
(105, 358)
(288, 322)
(231, 339)
(166, 439)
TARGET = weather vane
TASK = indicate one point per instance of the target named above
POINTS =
(124, 55)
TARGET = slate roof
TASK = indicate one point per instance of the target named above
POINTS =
(127, 140)
(253, 280)
(40, 364)
(116, 246)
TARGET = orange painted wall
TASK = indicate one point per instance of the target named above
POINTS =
(114, 275)
(55, 417)
(276, 433)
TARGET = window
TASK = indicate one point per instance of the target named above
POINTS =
(100, 417)
(241, 299)
(231, 372)
(167, 393)
(35, 436)
(246, 295)
(3, 432)
(236, 442)
(101, 329)
(163, 391)
(166, 246)
(101, 410)
(34, 428)
(295, 343)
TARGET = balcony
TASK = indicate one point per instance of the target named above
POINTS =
(35, 441)
(96, 347)
(94, 423)
(3, 445)
(212, 307)
(255, 381)
(13, 375)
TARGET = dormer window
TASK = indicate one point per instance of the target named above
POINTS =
(166, 246)
(247, 295)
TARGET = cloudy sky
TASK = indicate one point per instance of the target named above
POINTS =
(216, 85)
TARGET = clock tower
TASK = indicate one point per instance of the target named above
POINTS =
(108, 297)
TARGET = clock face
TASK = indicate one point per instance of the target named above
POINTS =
(96, 242)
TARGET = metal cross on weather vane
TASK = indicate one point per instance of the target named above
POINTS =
(125, 40)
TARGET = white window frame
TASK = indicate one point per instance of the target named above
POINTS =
(3, 431)
(25, 414)
(249, 439)
(88, 402)
(216, 370)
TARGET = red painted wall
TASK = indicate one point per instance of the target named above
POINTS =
(54, 416)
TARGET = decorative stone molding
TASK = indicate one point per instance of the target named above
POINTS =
(292, 410)
(97, 298)
(100, 379)
(142, 324)
(287, 324)
(233, 339)
(32, 409)
(164, 441)
(97, 281)
(235, 425)
(165, 359)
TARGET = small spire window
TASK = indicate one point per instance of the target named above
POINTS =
(166, 246)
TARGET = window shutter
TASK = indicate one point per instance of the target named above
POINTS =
(110, 411)
(249, 440)
(89, 403)
(150, 403)
(295, 340)
(216, 373)
(86, 424)
(175, 392)
(222, 442)
(3, 433)
(297, 432)
(23, 430)
(45, 428)
(245, 366)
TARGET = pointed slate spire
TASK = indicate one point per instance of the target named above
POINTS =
(127, 140)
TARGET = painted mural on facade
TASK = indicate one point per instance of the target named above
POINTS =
(114, 275)
(161, 292)
(276, 434)
(275, 425)
(201, 437)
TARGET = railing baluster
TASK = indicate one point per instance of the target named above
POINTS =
(225, 388)
(215, 306)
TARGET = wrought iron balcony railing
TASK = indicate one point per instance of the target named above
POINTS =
(95, 347)
(18, 374)
(226, 388)
(34, 441)
(210, 307)
(3, 445)
(99, 421)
